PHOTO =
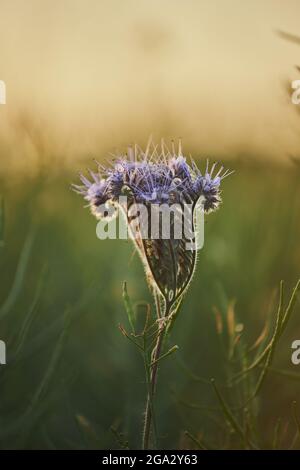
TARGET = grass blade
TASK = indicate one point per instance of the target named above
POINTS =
(128, 307)
(19, 276)
(230, 417)
(196, 441)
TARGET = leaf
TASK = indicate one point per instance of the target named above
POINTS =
(54, 360)
(230, 417)
(163, 356)
(171, 266)
(290, 307)
(273, 343)
(196, 441)
(30, 316)
(128, 306)
(51, 331)
(19, 276)
(168, 261)
(283, 318)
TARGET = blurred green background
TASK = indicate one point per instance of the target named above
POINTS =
(83, 78)
(57, 276)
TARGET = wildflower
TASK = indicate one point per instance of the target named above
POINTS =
(157, 176)
(154, 179)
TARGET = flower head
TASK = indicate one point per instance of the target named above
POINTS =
(155, 177)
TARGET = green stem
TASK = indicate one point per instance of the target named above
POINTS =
(152, 386)
(155, 356)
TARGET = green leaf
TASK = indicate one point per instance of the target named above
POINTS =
(128, 307)
(230, 417)
(19, 276)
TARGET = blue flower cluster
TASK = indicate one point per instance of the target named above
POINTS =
(157, 177)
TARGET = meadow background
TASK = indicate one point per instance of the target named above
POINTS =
(85, 78)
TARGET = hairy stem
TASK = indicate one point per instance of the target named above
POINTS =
(151, 391)
(152, 369)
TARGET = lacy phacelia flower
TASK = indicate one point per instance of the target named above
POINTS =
(154, 178)
(157, 176)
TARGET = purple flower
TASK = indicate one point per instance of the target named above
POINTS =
(93, 192)
(153, 177)
(156, 176)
